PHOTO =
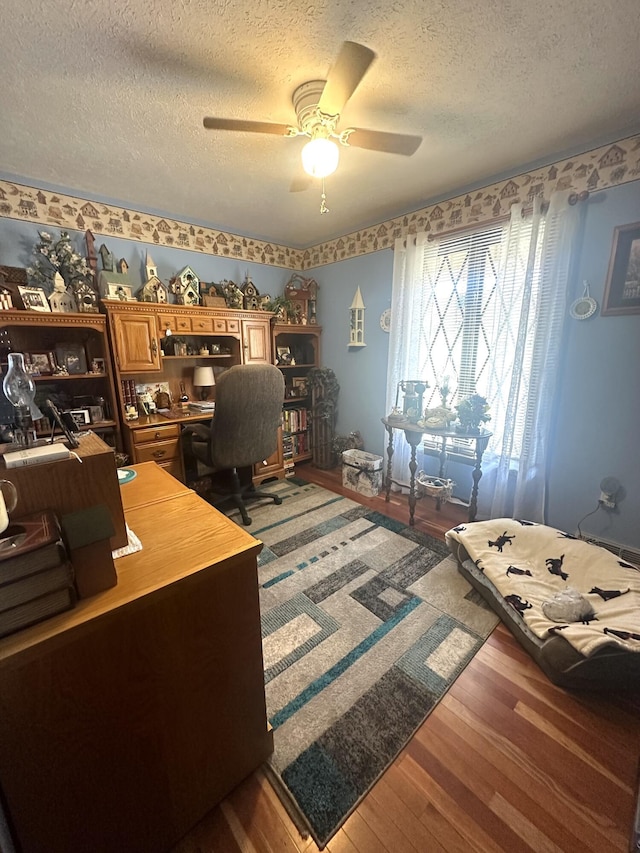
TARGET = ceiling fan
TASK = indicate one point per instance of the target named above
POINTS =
(318, 105)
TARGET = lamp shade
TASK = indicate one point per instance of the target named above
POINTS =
(203, 377)
(320, 157)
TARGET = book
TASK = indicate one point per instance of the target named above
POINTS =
(36, 455)
(36, 610)
(31, 544)
(33, 586)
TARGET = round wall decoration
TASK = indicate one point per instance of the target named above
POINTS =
(584, 307)
(385, 320)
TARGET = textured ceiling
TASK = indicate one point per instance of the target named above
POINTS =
(107, 99)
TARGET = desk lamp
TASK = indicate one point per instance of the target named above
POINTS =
(20, 390)
(203, 378)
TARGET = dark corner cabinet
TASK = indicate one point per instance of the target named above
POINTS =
(77, 342)
(296, 350)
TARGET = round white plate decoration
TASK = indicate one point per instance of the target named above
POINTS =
(385, 320)
(584, 307)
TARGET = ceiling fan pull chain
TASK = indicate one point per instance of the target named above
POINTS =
(323, 205)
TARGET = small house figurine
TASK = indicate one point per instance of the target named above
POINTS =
(186, 287)
(62, 300)
(356, 331)
(153, 290)
(86, 297)
(250, 295)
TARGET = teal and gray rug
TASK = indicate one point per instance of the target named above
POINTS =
(365, 623)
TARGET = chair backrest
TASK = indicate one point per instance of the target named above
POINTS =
(248, 413)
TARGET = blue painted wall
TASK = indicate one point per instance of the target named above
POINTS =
(599, 401)
(598, 418)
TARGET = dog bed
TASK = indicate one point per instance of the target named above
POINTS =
(575, 607)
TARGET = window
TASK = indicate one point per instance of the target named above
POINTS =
(475, 289)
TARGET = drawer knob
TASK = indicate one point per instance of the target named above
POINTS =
(158, 454)
(157, 436)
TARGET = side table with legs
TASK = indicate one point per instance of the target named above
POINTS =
(413, 435)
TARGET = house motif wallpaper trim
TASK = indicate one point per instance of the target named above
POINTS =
(607, 166)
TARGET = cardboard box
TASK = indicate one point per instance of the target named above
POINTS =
(362, 472)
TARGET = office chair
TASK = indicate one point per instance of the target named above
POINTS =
(244, 429)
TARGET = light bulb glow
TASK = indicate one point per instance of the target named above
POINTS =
(320, 157)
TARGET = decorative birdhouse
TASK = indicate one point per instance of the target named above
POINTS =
(250, 295)
(189, 295)
(153, 290)
(86, 297)
(179, 283)
(356, 330)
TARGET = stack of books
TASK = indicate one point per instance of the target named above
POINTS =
(202, 406)
(36, 577)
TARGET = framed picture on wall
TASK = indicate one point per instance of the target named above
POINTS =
(622, 291)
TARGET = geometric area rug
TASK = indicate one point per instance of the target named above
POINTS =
(366, 623)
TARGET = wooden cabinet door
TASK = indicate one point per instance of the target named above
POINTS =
(271, 467)
(256, 341)
(136, 342)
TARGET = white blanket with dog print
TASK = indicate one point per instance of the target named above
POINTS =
(530, 563)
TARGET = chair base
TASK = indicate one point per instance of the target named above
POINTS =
(239, 494)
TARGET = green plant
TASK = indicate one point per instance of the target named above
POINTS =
(279, 305)
(472, 412)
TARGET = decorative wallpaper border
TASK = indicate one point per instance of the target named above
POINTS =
(607, 166)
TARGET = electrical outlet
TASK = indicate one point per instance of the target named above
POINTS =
(608, 501)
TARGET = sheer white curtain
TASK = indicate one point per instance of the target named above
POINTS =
(486, 309)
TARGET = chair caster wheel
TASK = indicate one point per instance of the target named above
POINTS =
(277, 501)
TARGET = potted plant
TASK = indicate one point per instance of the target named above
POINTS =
(473, 411)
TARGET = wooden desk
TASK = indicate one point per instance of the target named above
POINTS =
(123, 721)
(157, 438)
(413, 434)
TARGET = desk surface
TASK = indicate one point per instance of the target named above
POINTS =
(181, 535)
(170, 417)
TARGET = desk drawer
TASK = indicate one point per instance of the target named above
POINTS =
(201, 325)
(224, 325)
(160, 432)
(158, 451)
(174, 322)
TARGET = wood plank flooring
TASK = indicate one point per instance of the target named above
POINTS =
(506, 762)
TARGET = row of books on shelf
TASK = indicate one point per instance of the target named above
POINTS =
(36, 576)
(294, 420)
(295, 444)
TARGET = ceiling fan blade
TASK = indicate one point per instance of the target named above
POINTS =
(249, 126)
(349, 69)
(391, 143)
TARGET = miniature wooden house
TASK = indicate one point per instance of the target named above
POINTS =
(250, 295)
(178, 285)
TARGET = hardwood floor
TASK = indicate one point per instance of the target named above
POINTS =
(505, 762)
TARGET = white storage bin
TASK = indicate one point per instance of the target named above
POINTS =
(362, 472)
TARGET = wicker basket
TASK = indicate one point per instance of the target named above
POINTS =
(434, 487)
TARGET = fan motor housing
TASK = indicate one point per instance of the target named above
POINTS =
(305, 102)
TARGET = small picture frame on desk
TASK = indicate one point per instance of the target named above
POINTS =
(81, 417)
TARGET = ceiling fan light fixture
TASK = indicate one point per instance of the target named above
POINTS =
(320, 157)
